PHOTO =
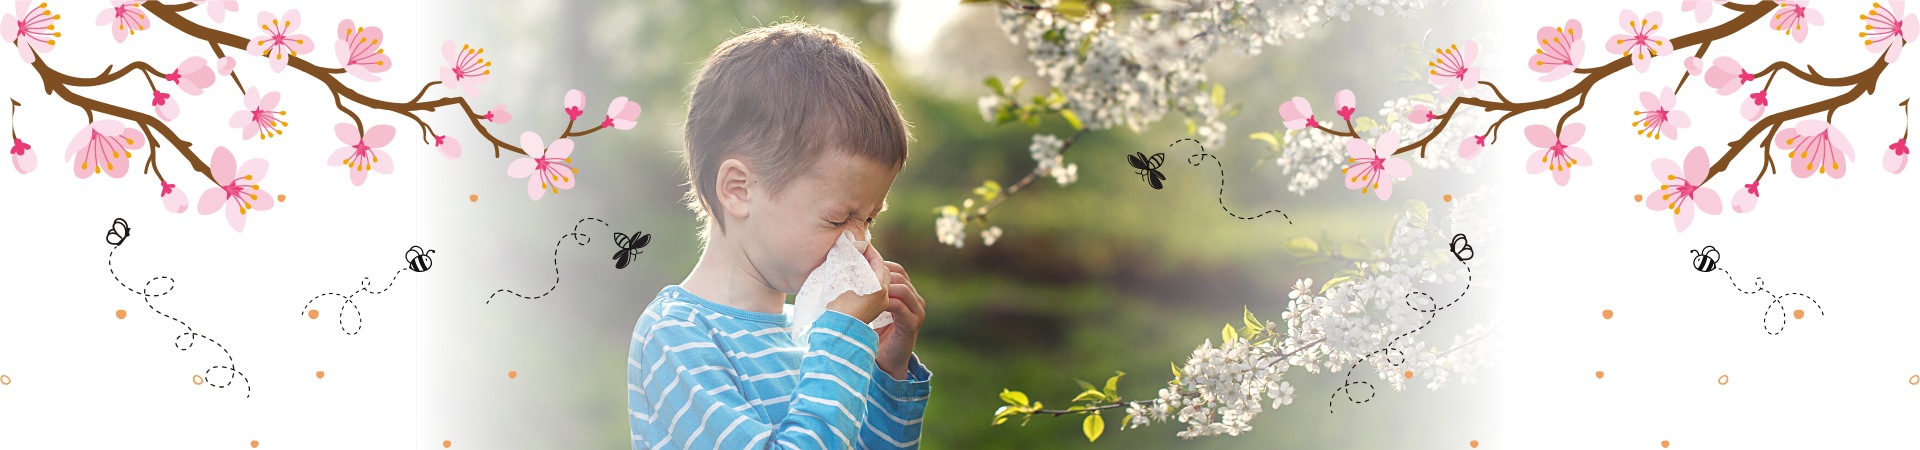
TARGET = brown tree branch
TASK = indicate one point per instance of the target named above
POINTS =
(57, 83)
(1015, 188)
(1862, 83)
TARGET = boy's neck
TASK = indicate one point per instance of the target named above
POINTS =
(724, 275)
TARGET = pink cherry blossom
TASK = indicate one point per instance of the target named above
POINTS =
(241, 193)
(1896, 159)
(498, 115)
(104, 146)
(193, 76)
(465, 69)
(1560, 51)
(1659, 118)
(1452, 70)
(1471, 146)
(126, 18)
(574, 101)
(23, 158)
(165, 106)
(172, 198)
(1343, 104)
(1748, 198)
(1694, 66)
(1373, 169)
(1887, 31)
(1702, 9)
(217, 9)
(448, 146)
(551, 171)
(1726, 75)
(280, 44)
(1557, 153)
(1680, 190)
(1298, 114)
(1639, 43)
(1421, 115)
(621, 114)
(362, 153)
(31, 30)
(1816, 147)
(359, 52)
(1754, 107)
(258, 118)
(1794, 17)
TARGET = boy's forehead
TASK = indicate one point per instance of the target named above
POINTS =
(853, 184)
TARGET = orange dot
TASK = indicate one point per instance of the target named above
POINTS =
(4, 380)
(281, 197)
(1474, 444)
(255, 444)
(1637, 198)
(197, 380)
(1606, 314)
(446, 444)
(513, 374)
(473, 198)
(1599, 374)
(313, 314)
(1723, 380)
(1799, 313)
(1448, 197)
(1409, 374)
(320, 374)
(1663, 444)
(120, 314)
(1915, 380)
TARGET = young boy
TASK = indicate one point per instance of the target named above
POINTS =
(791, 139)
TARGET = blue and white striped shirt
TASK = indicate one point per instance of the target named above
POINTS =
(705, 375)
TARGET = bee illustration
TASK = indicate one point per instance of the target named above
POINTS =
(118, 232)
(1462, 250)
(629, 246)
(1706, 259)
(1149, 167)
(418, 259)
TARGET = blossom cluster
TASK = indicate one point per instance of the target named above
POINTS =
(1370, 321)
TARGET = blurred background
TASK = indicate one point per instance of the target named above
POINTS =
(1103, 275)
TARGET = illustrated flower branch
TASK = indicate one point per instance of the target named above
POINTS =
(359, 54)
(1815, 146)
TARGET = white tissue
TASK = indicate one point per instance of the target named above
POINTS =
(846, 269)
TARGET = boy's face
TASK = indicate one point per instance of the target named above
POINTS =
(785, 237)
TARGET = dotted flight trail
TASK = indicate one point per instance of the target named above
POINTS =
(576, 235)
(1462, 251)
(1707, 260)
(418, 260)
(1222, 194)
(117, 235)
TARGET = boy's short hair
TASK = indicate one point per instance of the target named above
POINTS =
(778, 98)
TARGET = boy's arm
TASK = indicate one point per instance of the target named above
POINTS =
(683, 391)
(895, 408)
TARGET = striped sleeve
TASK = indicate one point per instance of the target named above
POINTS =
(895, 408)
(689, 395)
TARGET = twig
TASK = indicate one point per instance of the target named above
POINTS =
(1060, 412)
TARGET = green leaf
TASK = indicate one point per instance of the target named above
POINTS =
(1336, 281)
(1233, 109)
(1113, 384)
(1176, 370)
(1004, 115)
(1093, 426)
(988, 190)
(1017, 83)
(1311, 261)
(1364, 124)
(1089, 394)
(1071, 8)
(994, 82)
(1419, 209)
(999, 420)
(1085, 385)
(1013, 397)
(1086, 44)
(1227, 336)
(1219, 94)
(1356, 250)
(1301, 246)
(1267, 138)
(1191, 127)
(949, 209)
(1246, 315)
(1072, 119)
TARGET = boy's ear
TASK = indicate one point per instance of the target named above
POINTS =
(732, 186)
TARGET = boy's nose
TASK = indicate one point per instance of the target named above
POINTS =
(860, 230)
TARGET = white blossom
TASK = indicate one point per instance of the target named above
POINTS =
(1046, 150)
(950, 229)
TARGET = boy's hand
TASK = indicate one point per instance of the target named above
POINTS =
(865, 307)
(909, 311)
